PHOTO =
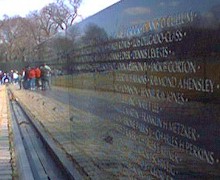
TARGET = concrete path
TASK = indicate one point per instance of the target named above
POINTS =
(5, 155)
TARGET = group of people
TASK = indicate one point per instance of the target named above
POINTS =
(9, 77)
(32, 78)
(35, 78)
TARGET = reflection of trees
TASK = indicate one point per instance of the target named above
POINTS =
(94, 34)
(61, 46)
(199, 40)
(73, 33)
(88, 49)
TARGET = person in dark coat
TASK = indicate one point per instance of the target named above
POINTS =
(45, 76)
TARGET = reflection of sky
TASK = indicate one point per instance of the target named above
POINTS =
(129, 12)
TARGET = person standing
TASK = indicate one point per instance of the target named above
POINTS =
(20, 79)
(32, 78)
(25, 72)
(15, 77)
(38, 77)
(45, 76)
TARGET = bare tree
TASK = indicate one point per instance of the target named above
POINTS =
(62, 13)
(13, 38)
(45, 23)
(25, 38)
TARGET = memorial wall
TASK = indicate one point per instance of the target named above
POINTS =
(156, 64)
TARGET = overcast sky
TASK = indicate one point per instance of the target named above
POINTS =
(23, 7)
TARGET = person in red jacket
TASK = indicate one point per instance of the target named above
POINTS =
(38, 77)
(32, 78)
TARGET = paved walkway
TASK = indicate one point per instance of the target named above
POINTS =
(5, 155)
(55, 118)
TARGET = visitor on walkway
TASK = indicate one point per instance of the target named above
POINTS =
(38, 77)
(20, 79)
(45, 76)
(32, 78)
(15, 77)
(26, 83)
(6, 78)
